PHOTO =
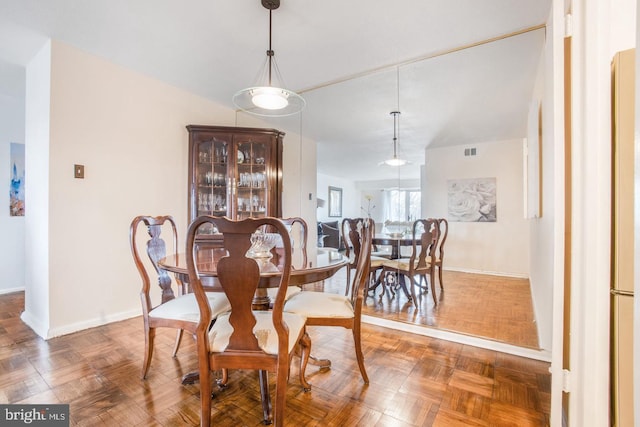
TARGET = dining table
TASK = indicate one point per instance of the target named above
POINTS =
(321, 264)
(395, 241)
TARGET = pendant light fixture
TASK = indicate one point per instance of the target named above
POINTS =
(268, 96)
(395, 160)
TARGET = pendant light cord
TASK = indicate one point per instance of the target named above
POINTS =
(396, 125)
(270, 51)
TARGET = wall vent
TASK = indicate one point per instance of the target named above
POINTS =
(469, 151)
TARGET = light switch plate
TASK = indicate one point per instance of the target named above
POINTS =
(78, 171)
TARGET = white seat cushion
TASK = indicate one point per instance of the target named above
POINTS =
(291, 291)
(400, 264)
(185, 307)
(221, 331)
(320, 304)
(377, 262)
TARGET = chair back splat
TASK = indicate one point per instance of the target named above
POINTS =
(245, 338)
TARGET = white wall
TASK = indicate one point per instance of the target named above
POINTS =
(11, 227)
(541, 229)
(129, 132)
(501, 247)
(37, 238)
(350, 197)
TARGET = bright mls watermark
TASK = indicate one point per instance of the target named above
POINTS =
(34, 415)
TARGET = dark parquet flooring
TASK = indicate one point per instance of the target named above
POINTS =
(415, 380)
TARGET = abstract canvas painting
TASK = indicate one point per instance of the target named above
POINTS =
(472, 200)
(16, 191)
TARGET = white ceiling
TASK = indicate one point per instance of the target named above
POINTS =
(343, 56)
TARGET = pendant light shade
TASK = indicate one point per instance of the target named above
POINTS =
(268, 96)
(395, 160)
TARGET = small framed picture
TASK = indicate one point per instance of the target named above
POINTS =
(335, 202)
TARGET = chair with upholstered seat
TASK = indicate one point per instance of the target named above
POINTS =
(245, 338)
(328, 309)
(177, 309)
(422, 260)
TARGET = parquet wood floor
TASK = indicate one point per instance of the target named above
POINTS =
(415, 380)
(493, 307)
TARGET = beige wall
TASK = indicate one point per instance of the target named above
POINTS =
(500, 247)
(129, 132)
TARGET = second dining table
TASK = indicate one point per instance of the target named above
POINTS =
(396, 242)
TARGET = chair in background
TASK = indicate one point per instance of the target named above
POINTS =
(297, 228)
(351, 239)
(298, 231)
(245, 338)
(177, 310)
(325, 309)
(422, 260)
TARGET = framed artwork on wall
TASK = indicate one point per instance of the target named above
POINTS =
(16, 192)
(472, 200)
(335, 202)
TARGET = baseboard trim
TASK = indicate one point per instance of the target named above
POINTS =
(11, 290)
(530, 353)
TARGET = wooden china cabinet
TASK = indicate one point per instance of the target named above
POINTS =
(234, 172)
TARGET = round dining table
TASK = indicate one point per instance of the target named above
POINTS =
(321, 264)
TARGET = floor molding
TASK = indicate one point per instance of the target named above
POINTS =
(542, 355)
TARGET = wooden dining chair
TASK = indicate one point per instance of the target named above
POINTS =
(177, 308)
(352, 241)
(328, 309)
(245, 338)
(422, 260)
(297, 228)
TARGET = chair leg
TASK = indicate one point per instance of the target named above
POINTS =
(281, 394)
(359, 356)
(413, 292)
(176, 346)
(149, 338)
(372, 284)
(432, 279)
(305, 344)
(403, 283)
(440, 277)
(224, 378)
(263, 376)
(205, 396)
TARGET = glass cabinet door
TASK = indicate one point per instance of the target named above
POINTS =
(212, 189)
(252, 194)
